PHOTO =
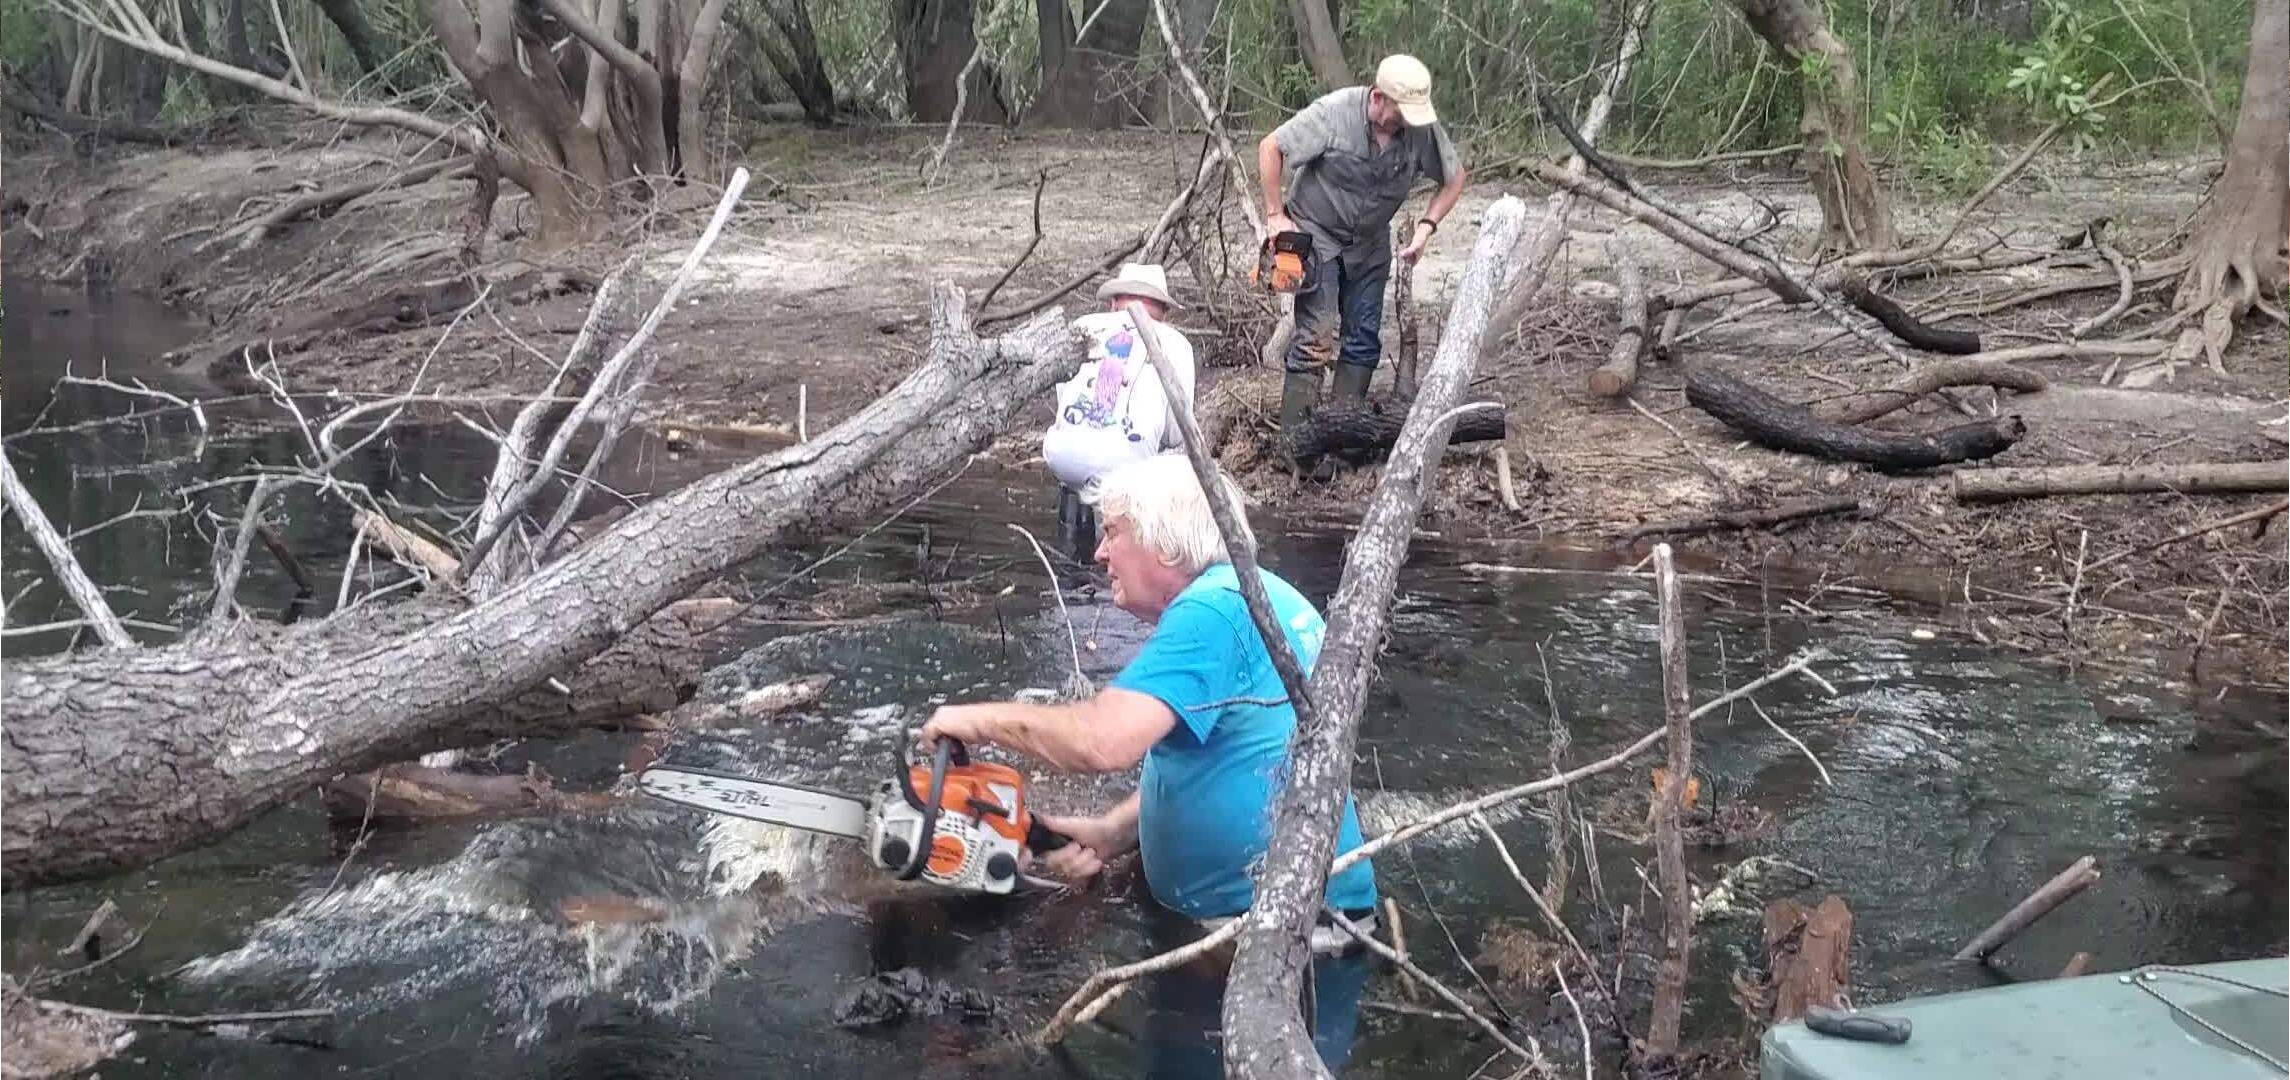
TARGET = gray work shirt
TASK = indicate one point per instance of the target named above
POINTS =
(1346, 190)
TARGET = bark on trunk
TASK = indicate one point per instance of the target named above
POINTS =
(116, 760)
(1779, 425)
(1620, 372)
(1088, 83)
(1854, 212)
(2207, 479)
(1808, 956)
(1366, 431)
(2240, 251)
(1264, 1030)
(350, 19)
(1316, 39)
(798, 63)
(935, 41)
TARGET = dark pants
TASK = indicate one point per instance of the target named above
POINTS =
(1184, 1032)
(1340, 315)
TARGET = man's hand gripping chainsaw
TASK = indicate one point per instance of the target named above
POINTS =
(951, 821)
(1284, 264)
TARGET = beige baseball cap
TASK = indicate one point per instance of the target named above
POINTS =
(1407, 83)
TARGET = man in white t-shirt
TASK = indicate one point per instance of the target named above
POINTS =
(1114, 410)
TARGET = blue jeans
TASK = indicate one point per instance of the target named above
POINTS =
(1184, 1038)
(1340, 315)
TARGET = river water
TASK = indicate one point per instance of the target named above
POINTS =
(1957, 777)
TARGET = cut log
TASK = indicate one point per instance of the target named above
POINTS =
(1931, 376)
(2217, 478)
(1808, 955)
(123, 756)
(1369, 431)
(1905, 326)
(2063, 886)
(1779, 425)
(1620, 372)
(1763, 518)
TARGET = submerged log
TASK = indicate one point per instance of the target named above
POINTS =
(1808, 956)
(1779, 425)
(2220, 478)
(1368, 431)
(123, 756)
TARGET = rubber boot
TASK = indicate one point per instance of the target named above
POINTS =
(1076, 539)
(1299, 395)
(1352, 384)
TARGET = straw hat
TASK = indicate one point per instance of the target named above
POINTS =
(1138, 279)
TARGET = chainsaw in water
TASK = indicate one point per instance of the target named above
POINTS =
(951, 821)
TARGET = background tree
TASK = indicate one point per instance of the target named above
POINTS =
(2237, 253)
(1855, 215)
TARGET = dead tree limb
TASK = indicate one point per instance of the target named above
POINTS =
(1669, 843)
(75, 581)
(1935, 375)
(1764, 518)
(1778, 425)
(608, 381)
(2123, 291)
(1905, 326)
(327, 199)
(2212, 478)
(125, 756)
(1620, 372)
(1041, 185)
(1530, 265)
(2081, 875)
(1407, 358)
(1264, 1030)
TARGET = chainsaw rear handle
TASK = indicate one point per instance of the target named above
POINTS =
(949, 749)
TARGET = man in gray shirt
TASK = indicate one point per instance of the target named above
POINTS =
(1356, 153)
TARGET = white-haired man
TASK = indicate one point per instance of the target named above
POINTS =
(1192, 706)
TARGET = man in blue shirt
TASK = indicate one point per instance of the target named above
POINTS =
(1201, 707)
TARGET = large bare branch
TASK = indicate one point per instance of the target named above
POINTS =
(651, 138)
(75, 581)
(607, 378)
(1264, 1030)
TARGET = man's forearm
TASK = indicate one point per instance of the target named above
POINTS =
(1445, 198)
(1057, 734)
(1269, 164)
(1124, 815)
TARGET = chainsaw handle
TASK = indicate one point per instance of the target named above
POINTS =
(948, 749)
(1040, 839)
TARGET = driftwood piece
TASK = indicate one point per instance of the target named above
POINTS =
(1761, 518)
(2063, 886)
(1931, 376)
(1368, 430)
(1905, 326)
(1407, 356)
(408, 547)
(1779, 425)
(69, 573)
(2076, 966)
(1808, 955)
(1620, 372)
(2210, 478)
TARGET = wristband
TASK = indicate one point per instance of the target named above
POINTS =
(1427, 221)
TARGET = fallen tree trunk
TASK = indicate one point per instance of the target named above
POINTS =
(1764, 518)
(2218, 478)
(118, 758)
(1365, 431)
(1932, 376)
(1620, 372)
(2121, 479)
(1264, 1030)
(1905, 326)
(1808, 956)
(1779, 425)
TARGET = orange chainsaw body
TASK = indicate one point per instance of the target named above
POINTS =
(1285, 263)
(977, 835)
